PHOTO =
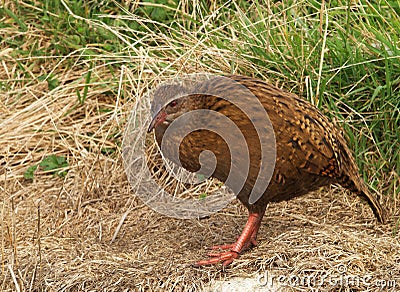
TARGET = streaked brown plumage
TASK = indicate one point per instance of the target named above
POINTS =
(310, 151)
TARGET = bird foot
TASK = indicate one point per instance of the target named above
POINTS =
(223, 246)
(252, 242)
(246, 240)
(226, 258)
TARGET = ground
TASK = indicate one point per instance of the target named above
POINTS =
(58, 237)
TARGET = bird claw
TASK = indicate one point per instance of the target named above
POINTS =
(253, 242)
(226, 258)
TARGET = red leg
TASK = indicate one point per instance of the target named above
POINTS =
(253, 240)
(245, 241)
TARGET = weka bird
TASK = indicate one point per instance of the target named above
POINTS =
(310, 151)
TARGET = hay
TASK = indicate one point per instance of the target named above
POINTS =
(88, 231)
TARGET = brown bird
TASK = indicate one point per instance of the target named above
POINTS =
(310, 151)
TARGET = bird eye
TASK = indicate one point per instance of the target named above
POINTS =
(173, 103)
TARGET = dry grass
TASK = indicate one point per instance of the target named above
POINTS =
(87, 231)
(57, 232)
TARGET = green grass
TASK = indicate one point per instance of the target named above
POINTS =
(344, 57)
(52, 163)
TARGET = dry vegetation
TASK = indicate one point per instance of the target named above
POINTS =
(87, 231)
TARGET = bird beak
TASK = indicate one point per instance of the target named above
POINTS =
(158, 118)
(156, 112)
(152, 124)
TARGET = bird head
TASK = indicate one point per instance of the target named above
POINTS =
(167, 114)
(170, 102)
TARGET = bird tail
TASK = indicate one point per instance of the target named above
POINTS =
(373, 202)
(351, 180)
(361, 189)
